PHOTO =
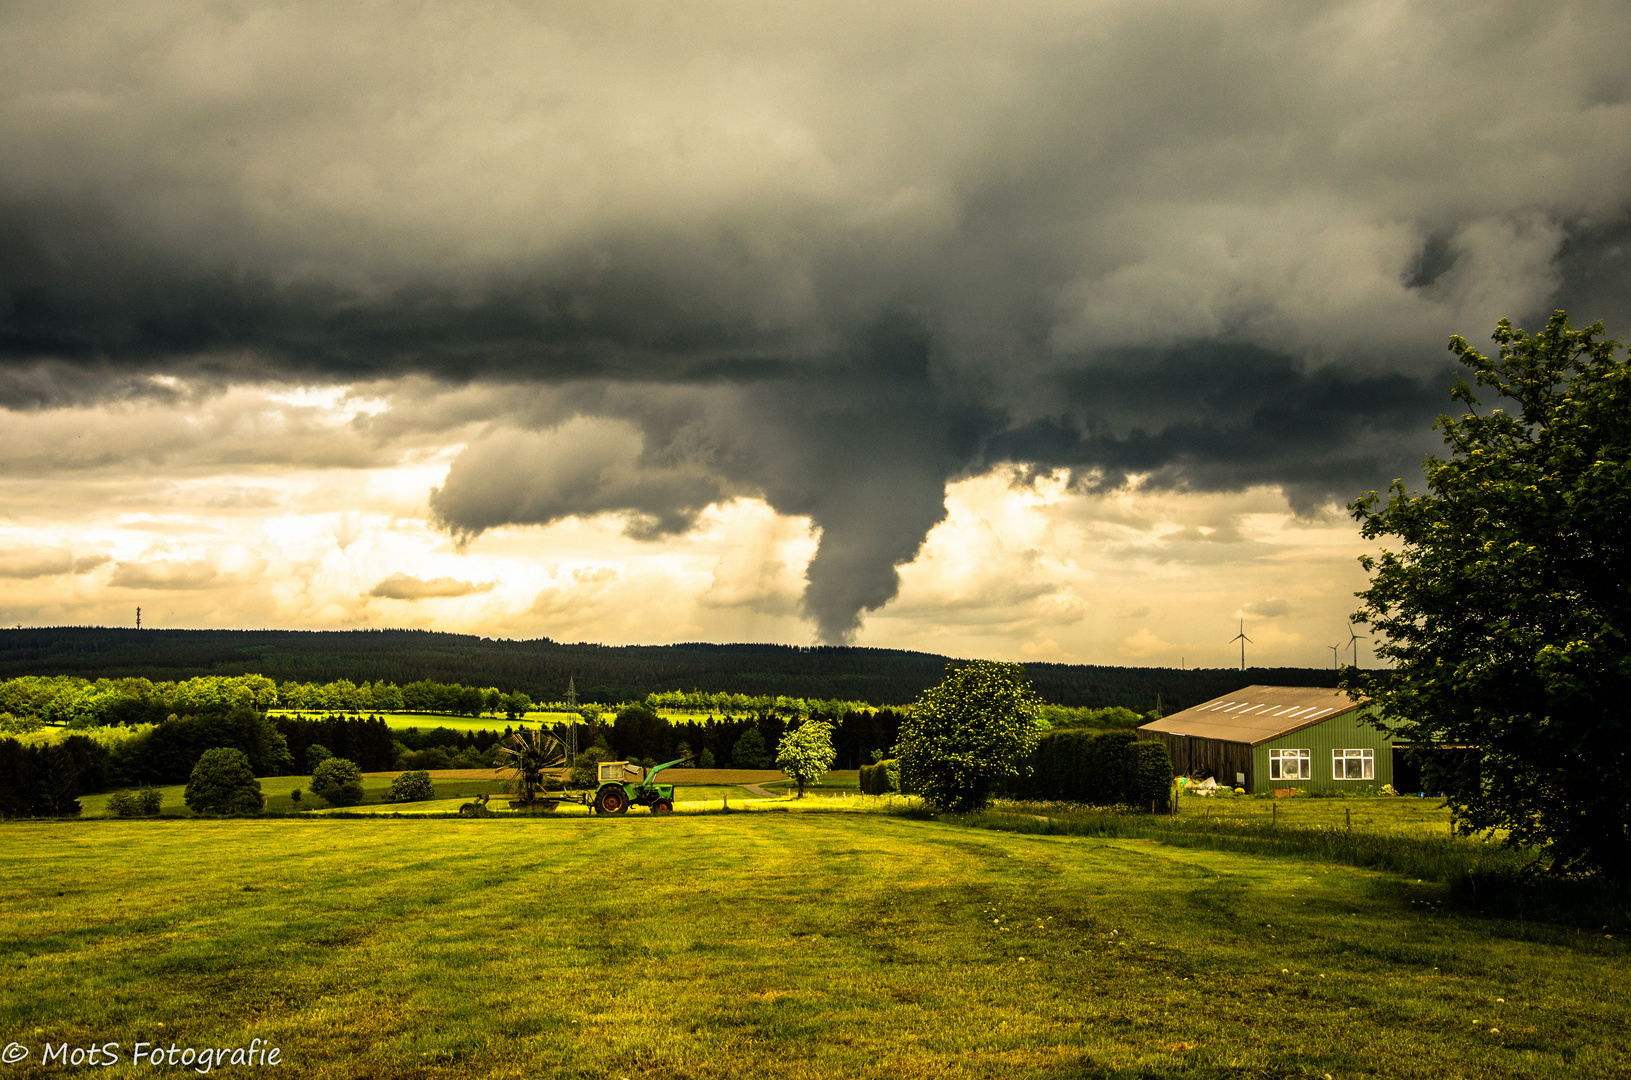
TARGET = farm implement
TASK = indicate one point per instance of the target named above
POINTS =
(534, 760)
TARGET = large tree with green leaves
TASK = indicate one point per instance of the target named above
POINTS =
(338, 782)
(223, 783)
(806, 753)
(966, 736)
(1504, 606)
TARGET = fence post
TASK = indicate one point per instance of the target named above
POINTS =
(1274, 813)
(1347, 812)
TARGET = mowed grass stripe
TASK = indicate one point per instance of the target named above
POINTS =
(788, 945)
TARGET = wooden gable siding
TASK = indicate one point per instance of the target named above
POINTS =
(1192, 754)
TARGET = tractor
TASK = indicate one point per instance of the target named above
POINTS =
(623, 785)
(534, 760)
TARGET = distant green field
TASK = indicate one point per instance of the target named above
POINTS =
(757, 945)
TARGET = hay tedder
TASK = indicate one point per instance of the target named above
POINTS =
(535, 761)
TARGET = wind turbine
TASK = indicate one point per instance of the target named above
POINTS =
(1334, 650)
(1354, 640)
(1244, 641)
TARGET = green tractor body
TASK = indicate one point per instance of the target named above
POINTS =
(623, 785)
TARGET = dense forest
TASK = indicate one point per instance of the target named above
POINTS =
(540, 668)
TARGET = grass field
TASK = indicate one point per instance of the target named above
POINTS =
(788, 945)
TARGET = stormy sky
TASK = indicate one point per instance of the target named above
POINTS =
(1055, 331)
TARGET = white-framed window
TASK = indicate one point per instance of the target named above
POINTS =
(1290, 764)
(1353, 764)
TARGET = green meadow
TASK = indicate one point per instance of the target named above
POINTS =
(800, 944)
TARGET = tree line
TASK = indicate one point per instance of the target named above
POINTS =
(46, 779)
(79, 703)
(604, 674)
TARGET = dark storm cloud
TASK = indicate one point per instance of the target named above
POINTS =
(833, 255)
(1211, 417)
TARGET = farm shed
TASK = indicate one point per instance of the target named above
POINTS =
(1263, 737)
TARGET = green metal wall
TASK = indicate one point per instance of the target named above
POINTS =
(1346, 732)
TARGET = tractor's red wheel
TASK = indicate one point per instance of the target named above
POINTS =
(662, 806)
(612, 800)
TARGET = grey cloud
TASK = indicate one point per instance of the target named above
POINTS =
(582, 468)
(1271, 608)
(36, 562)
(835, 255)
(407, 587)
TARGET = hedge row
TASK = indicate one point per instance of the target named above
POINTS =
(880, 779)
(1098, 768)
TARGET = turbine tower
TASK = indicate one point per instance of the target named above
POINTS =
(1244, 641)
(1335, 651)
(1354, 640)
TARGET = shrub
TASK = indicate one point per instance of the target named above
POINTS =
(585, 772)
(882, 778)
(433, 757)
(144, 803)
(315, 756)
(338, 782)
(223, 783)
(749, 751)
(294, 797)
(1149, 772)
(411, 787)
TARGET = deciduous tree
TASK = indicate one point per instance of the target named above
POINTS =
(223, 783)
(749, 751)
(806, 752)
(338, 782)
(1504, 607)
(967, 735)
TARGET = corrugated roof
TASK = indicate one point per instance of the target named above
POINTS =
(1256, 714)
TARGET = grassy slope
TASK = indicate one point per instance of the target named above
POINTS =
(789, 944)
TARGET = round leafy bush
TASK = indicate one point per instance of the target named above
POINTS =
(338, 782)
(411, 786)
(966, 736)
(223, 783)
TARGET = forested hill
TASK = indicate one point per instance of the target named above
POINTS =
(603, 673)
